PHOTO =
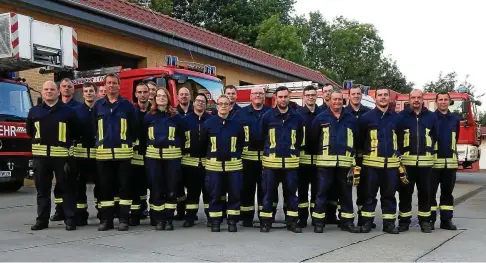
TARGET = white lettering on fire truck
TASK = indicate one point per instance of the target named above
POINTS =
(9, 131)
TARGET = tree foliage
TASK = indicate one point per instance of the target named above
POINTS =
(450, 83)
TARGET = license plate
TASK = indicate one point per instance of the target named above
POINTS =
(4, 174)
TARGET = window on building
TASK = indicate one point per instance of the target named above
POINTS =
(244, 83)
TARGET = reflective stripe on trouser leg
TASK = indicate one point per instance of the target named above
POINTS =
(423, 188)
(138, 172)
(307, 174)
(193, 178)
(405, 193)
(172, 180)
(290, 187)
(252, 173)
(214, 185)
(234, 185)
(269, 187)
(157, 198)
(447, 183)
(332, 200)
(324, 182)
(345, 194)
(387, 181)
(433, 194)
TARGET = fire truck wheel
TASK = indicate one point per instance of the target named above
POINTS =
(11, 186)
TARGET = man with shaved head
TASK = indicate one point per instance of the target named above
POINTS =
(250, 117)
(417, 134)
(52, 127)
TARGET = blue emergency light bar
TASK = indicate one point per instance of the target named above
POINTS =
(211, 70)
(347, 84)
(172, 60)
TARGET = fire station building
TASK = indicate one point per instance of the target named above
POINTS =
(116, 33)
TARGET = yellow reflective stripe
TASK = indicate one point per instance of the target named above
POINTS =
(313, 205)
(206, 206)
(277, 162)
(433, 208)
(81, 206)
(405, 214)
(423, 160)
(192, 161)
(293, 139)
(453, 143)
(157, 207)
(441, 163)
(250, 155)
(367, 214)
(406, 138)
(151, 133)
(446, 207)
(305, 158)
(428, 139)
(170, 206)
(125, 202)
(303, 138)
(118, 153)
(304, 205)
(37, 130)
(54, 151)
(325, 141)
(135, 207)
(100, 129)
(375, 161)
(233, 144)
(333, 160)
(374, 143)
(171, 136)
(62, 132)
(81, 152)
(292, 213)
(58, 200)
(271, 137)
(247, 133)
(347, 215)
(215, 214)
(116, 199)
(188, 140)
(106, 204)
(167, 153)
(143, 197)
(350, 141)
(318, 215)
(389, 216)
(247, 208)
(192, 206)
(420, 213)
(213, 144)
(233, 212)
(264, 214)
(123, 128)
(233, 165)
(395, 141)
(182, 198)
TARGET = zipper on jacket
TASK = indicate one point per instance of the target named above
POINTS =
(418, 140)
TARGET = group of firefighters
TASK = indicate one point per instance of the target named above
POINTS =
(232, 154)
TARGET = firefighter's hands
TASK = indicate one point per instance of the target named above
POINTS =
(353, 176)
(402, 172)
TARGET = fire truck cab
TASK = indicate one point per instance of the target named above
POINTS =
(198, 78)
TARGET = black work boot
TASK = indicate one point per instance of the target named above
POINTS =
(265, 227)
(447, 225)
(319, 227)
(104, 226)
(350, 227)
(160, 225)
(390, 228)
(232, 226)
(70, 224)
(188, 223)
(432, 224)
(302, 223)
(169, 226)
(39, 225)
(123, 226)
(294, 227)
(403, 227)
(58, 216)
(425, 227)
(215, 227)
(366, 227)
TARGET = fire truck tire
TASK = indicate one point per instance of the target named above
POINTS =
(11, 186)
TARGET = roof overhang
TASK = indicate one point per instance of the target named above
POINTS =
(86, 15)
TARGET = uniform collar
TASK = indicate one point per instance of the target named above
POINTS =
(276, 111)
(252, 110)
(58, 103)
(106, 101)
(189, 109)
(410, 111)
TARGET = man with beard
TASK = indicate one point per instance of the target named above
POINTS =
(417, 134)
(282, 131)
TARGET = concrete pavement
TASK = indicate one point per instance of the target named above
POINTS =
(19, 243)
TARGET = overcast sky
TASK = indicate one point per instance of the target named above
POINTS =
(423, 36)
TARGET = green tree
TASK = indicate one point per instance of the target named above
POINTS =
(482, 118)
(281, 40)
(162, 6)
(389, 75)
(445, 83)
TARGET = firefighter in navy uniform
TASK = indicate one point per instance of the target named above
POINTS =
(184, 107)
(250, 117)
(140, 183)
(67, 93)
(193, 161)
(336, 131)
(116, 129)
(417, 133)
(307, 168)
(85, 153)
(230, 92)
(282, 131)
(357, 109)
(224, 139)
(378, 140)
(52, 125)
(164, 132)
(445, 162)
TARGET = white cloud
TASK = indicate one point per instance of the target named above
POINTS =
(424, 36)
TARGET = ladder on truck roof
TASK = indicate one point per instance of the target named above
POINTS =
(293, 86)
(26, 43)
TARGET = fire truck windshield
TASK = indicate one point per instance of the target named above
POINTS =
(15, 101)
(212, 89)
(458, 108)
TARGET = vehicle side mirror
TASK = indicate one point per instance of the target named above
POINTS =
(182, 79)
(477, 102)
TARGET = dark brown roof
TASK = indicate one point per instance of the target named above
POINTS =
(202, 36)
